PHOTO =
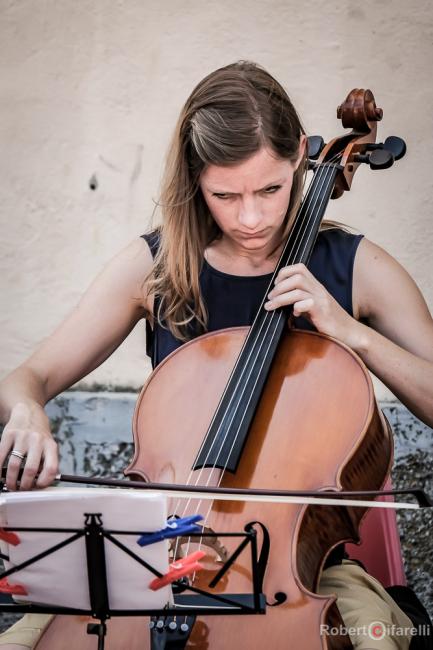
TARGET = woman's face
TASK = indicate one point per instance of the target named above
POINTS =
(249, 200)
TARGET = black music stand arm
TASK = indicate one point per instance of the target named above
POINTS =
(97, 576)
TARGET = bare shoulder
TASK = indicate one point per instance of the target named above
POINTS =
(106, 313)
(387, 297)
(128, 270)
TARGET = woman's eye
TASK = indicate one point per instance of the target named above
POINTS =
(267, 190)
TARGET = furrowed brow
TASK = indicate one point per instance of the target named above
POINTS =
(270, 184)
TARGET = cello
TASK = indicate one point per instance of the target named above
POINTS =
(272, 407)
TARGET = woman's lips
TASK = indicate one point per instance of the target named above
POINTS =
(259, 233)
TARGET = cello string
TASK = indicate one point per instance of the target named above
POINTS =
(301, 238)
(205, 440)
(186, 505)
(278, 317)
(253, 368)
(325, 174)
(269, 317)
(323, 171)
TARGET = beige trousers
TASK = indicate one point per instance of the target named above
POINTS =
(372, 618)
(27, 631)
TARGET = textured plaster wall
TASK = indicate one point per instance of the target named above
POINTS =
(91, 90)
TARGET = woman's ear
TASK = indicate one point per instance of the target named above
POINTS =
(302, 148)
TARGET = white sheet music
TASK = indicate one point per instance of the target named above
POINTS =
(61, 579)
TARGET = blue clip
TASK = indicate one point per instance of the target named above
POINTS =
(175, 528)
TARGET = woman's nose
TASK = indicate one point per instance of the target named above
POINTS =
(249, 215)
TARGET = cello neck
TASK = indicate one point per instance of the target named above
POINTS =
(306, 226)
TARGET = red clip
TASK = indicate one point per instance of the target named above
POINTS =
(9, 537)
(179, 569)
(17, 590)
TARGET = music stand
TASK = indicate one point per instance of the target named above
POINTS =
(183, 599)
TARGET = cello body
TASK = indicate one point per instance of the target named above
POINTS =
(317, 427)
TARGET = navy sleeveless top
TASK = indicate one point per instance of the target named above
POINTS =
(233, 300)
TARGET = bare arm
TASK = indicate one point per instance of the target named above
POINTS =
(103, 318)
(398, 345)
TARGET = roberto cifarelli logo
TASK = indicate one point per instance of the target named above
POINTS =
(376, 630)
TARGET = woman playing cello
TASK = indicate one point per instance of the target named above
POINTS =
(232, 185)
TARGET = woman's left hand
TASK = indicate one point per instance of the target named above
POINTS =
(296, 285)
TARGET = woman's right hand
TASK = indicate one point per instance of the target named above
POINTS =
(28, 433)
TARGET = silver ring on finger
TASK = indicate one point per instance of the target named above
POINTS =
(18, 454)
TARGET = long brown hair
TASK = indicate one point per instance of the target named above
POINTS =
(230, 115)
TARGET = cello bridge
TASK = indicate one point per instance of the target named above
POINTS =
(181, 546)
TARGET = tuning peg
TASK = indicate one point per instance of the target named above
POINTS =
(315, 146)
(393, 144)
(381, 159)
(377, 159)
(396, 146)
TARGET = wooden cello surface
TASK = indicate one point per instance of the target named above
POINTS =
(341, 443)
